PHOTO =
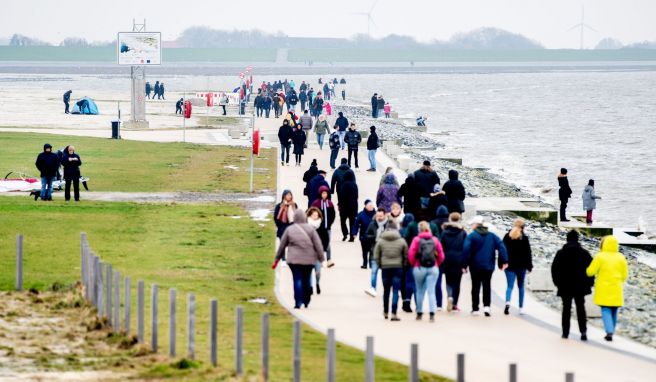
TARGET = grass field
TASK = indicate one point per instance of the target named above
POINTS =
(121, 165)
(198, 249)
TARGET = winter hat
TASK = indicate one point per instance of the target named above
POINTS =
(344, 161)
(572, 236)
(367, 202)
(372, 128)
(314, 162)
(563, 171)
(426, 163)
(478, 219)
(47, 146)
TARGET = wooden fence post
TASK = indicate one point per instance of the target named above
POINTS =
(153, 315)
(513, 372)
(127, 306)
(19, 262)
(172, 321)
(265, 346)
(191, 326)
(297, 351)
(239, 328)
(214, 312)
(108, 294)
(96, 282)
(369, 375)
(140, 311)
(330, 356)
(569, 377)
(83, 259)
(461, 367)
(117, 302)
(101, 289)
(414, 363)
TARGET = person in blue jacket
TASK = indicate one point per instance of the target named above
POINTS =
(362, 221)
(313, 187)
(480, 252)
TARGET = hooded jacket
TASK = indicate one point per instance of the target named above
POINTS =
(338, 177)
(564, 192)
(408, 191)
(301, 241)
(362, 221)
(414, 260)
(391, 250)
(308, 175)
(453, 242)
(455, 193)
(568, 270)
(589, 198)
(348, 194)
(426, 179)
(388, 193)
(313, 188)
(519, 253)
(611, 269)
(47, 162)
(480, 249)
(326, 207)
(441, 217)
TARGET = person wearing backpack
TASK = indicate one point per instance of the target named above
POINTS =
(479, 250)
(334, 144)
(390, 254)
(425, 255)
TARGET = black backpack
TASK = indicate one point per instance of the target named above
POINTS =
(427, 252)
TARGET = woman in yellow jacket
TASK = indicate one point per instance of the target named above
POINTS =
(610, 269)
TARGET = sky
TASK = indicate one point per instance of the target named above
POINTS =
(546, 21)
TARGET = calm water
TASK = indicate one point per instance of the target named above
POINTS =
(524, 126)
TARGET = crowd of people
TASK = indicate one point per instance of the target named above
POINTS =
(281, 96)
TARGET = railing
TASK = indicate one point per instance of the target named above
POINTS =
(102, 284)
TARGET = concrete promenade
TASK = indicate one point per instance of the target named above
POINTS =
(490, 344)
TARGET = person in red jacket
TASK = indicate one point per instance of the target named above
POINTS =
(425, 256)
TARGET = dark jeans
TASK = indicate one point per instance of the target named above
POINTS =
(481, 277)
(76, 189)
(580, 313)
(563, 210)
(343, 215)
(302, 284)
(354, 152)
(178, 110)
(224, 110)
(258, 111)
(408, 288)
(302, 105)
(284, 149)
(391, 280)
(366, 247)
(453, 285)
(374, 113)
(438, 290)
(66, 106)
(333, 157)
(298, 158)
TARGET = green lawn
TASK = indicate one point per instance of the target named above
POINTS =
(121, 165)
(197, 249)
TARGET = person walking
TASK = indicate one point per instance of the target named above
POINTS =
(317, 105)
(285, 134)
(298, 139)
(391, 254)
(409, 193)
(307, 122)
(156, 90)
(71, 162)
(338, 176)
(327, 208)
(67, 100)
(564, 193)
(315, 219)
(334, 145)
(303, 98)
(374, 106)
(425, 255)
(373, 143)
(455, 193)
(266, 105)
(375, 229)
(436, 200)
(568, 272)
(149, 89)
(589, 200)
(258, 103)
(388, 170)
(276, 105)
(161, 91)
(342, 124)
(362, 221)
(480, 251)
(520, 261)
(47, 163)
(283, 213)
(408, 282)
(347, 196)
(308, 176)
(313, 187)
(610, 268)
(388, 193)
(453, 240)
(353, 139)
(425, 179)
(320, 129)
(304, 249)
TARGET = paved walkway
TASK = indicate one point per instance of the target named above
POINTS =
(490, 344)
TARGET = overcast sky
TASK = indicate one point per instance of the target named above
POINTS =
(546, 21)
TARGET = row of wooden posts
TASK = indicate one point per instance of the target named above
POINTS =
(102, 288)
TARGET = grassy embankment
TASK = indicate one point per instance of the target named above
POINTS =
(200, 249)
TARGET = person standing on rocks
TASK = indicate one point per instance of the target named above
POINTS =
(342, 125)
(347, 195)
(303, 246)
(283, 213)
(327, 208)
(564, 193)
(374, 106)
(589, 200)
(362, 221)
(453, 241)
(455, 193)
(611, 271)
(285, 134)
(334, 144)
(47, 163)
(353, 139)
(391, 254)
(425, 255)
(520, 261)
(320, 129)
(480, 251)
(373, 143)
(568, 272)
(375, 229)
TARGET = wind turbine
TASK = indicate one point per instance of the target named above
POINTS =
(370, 19)
(582, 26)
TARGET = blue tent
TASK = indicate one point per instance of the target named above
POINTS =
(89, 106)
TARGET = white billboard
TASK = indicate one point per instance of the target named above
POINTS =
(139, 48)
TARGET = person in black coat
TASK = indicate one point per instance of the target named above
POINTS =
(408, 192)
(298, 138)
(178, 106)
(67, 100)
(348, 204)
(564, 193)
(309, 174)
(352, 140)
(455, 193)
(372, 145)
(520, 260)
(161, 91)
(156, 89)
(338, 177)
(374, 105)
(71, 162)
(47, 163)
(314, 185)
(453, 240)
(569, 276)
(149, 89)
(285, 137)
